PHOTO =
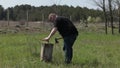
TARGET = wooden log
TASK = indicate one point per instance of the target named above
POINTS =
(46, 52)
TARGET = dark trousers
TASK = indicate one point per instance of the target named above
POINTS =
(68, 43)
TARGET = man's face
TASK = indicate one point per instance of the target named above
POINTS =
(51, 19)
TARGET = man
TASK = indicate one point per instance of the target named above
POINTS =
(68, 32)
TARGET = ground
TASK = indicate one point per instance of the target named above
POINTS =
(92, 49)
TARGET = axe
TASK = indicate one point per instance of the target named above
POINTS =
(56, 40)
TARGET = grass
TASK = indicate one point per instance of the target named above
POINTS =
(91, 50)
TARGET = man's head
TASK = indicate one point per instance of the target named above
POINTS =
(52, 17)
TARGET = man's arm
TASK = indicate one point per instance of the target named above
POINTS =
(53, 31)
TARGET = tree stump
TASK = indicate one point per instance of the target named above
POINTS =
(46, 52)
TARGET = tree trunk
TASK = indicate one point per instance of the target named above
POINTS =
(111, 15)
(105, 16)
(119, 17)
(27, 15)
(8, 14)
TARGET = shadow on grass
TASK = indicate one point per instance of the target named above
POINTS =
(88, 63)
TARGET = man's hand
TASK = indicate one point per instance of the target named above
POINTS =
(46, 39)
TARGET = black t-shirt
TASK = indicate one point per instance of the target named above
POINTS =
(65, 26)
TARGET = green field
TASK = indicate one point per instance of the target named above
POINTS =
(91, 50)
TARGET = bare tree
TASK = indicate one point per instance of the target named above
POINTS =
(102, 5)
(118, 5)
(8, 14)
(111, 15)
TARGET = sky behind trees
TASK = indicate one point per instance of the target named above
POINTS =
(82, 3)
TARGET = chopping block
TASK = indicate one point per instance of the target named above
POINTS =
(46, 52)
